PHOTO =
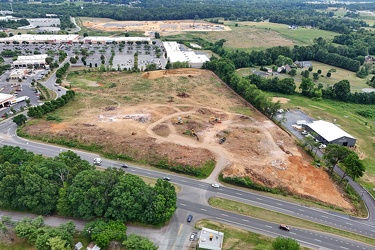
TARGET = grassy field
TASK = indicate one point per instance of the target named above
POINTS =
(267, 215)
(357, 84)
(238, 239)
(258, 35)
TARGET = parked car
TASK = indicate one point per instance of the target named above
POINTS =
(304, 132)
(284, 227)
(215, 185)
(189, 218)
(192, 237)
(166, 178)
(322, 146)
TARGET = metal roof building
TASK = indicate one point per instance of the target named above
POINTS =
(175, 54)
(329, 133)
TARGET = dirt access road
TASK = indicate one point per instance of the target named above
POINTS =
(152, 116)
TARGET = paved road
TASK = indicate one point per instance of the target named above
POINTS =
(193, 199)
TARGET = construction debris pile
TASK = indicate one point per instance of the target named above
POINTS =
(136, 117)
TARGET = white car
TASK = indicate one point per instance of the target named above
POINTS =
(97, 161)
(215, 185)
(304, 132)
(322, 146)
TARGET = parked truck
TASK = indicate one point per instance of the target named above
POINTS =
(19, 99)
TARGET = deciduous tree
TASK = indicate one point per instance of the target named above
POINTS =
(136, 242)
(281, 243)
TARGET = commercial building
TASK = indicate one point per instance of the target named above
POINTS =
(329, 133)
(34, 61)
(175, 54)
(210, 239)
(17, 74)
(41, 38)
(106, 39)
(5, 99)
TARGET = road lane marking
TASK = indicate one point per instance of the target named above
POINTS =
(238, 194)
(279, 204)
(301, 210)
(324, 216)
(344, 247)
(292, 233)
(268, 226)
(224, 215)
(183, 204)
(179, 230)
(204, 209)
(182, 180)
(259, 199)
(318, 240)
(348, 223)
(245, 220)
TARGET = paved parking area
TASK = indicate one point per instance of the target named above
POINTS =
(290, 118)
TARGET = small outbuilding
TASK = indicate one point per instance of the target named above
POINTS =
(329, 133)
(210, 239)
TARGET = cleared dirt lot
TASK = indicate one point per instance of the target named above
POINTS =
(149, 27)
(138, 115)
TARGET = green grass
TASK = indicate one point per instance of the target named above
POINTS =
(242, 110)
(301, 36)
(253, 35)
(237, 239)
(19, 245)
(356, 83)
(276, 217)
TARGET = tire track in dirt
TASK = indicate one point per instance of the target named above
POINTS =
(222, 156)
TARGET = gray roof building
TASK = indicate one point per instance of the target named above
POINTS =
(329, 133)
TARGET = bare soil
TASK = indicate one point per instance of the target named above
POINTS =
(149, 27)
(144, 117)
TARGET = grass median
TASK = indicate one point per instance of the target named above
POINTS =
(271, 216)
(238, 239)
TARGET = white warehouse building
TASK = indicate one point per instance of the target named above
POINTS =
(175, 54)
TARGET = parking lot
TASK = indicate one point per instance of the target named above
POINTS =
(123, 59)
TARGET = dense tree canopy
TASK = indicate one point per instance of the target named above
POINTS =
(70, 186)
(103, 232)
(45, 237)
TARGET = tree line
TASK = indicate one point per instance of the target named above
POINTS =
(292, 12)
(317, 52)
(70, 186)
(47, 107)
(225, 70)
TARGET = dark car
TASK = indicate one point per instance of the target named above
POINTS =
(284, 227)
(124, 166)
(166, 178)
(189, 218)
